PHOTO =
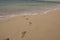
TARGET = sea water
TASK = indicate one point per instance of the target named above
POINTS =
(15, 8)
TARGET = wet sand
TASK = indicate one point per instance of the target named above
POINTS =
(37, 27)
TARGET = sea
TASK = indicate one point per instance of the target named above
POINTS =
(14, 8)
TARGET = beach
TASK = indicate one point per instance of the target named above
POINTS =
(31, 27)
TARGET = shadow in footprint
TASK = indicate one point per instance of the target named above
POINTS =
(23, 34)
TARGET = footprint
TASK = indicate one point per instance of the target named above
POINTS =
(27, 18)
(23, 34)
(7, 39)
(24, 16)
(30, 23)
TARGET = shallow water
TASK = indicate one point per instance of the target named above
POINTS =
(10, 9)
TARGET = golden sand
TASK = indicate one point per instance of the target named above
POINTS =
(37, 27)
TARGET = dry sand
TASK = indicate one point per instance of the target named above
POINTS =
(38, 27)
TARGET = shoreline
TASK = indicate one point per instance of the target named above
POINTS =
(26, 14)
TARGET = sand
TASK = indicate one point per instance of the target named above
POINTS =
(36, 27)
